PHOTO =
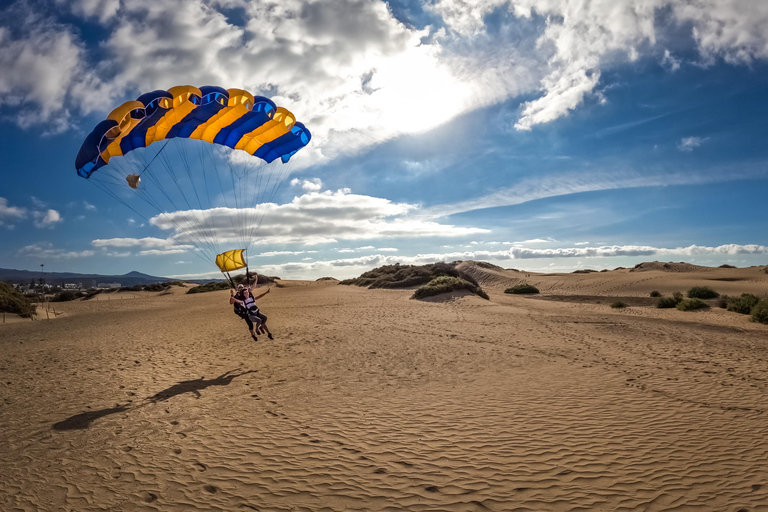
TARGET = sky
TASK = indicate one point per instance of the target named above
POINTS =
(542, 135)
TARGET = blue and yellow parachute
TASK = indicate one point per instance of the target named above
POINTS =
(199, 191)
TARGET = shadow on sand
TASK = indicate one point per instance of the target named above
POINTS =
(84, 419)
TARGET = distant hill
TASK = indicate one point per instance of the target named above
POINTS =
(87, 280)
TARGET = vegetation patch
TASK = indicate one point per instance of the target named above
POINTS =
(743, 304)
(66, 296)
(655, 293)
(522, 288)
(446, 284)
(691, 304)
(12, 301)
(702, 292)
(760, 312)
(209, 287)
(405, 276)
(670, 302)
(618, 305)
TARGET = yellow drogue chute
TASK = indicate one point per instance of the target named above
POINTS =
(230, 261)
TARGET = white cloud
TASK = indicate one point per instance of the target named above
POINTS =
(635, 250)
(46, 250)
(10, 213)
(670, 61)
(388, 249)
(689, 143)
(311, 219)
(88, 206)
(148, 246)
(102, 10)
(46, 219)
(313, 185)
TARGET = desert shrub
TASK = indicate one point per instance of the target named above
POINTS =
(404, 276)
(655, 293)
(743, 304)
(722, 301)
(176, 283)
(12, 301)
(691, 304)
(209, 287)
(702, 292)
(760, 312)
(91, 294)
(667, 302)
(678, 296)
(66, 296)
(618, 305)
(522, 288)
(445, 284)
(726, 266)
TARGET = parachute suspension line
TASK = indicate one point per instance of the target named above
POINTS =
(118, 198)
(149, 199)
(199, 211)
(153, 158)
(210, 224)
(216, 168)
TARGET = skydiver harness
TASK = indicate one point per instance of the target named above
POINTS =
(248, 309)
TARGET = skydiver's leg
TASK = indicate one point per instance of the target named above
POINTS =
(264, 325)
(250, 328)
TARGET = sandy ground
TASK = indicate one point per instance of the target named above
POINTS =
(367, 400)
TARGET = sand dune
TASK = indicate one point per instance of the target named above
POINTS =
(367, 400)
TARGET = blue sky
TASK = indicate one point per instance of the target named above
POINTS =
(535, 134)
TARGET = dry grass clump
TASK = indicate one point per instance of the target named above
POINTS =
(446, 284)
(14, 302)
(522, 288)
(404, 276)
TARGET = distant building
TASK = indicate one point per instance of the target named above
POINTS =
(108, 285)
(71, 286)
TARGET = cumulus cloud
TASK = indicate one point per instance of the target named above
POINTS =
(46, 219)
(349, 68)
(10, 213)
(313, 185)
(313, 218)
(46, 250)
(688, 144)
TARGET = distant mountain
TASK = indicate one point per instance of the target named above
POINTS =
(87, 280)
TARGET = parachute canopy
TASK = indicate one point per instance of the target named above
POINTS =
(230, 117)
(231, 260)
(222, 157)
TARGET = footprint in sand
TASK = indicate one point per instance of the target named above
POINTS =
(148, 497)
(199, 466)
(177, 451)
(210, 488)
(126, 449)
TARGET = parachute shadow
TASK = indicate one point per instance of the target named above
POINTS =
(84, 419)
(195, 386)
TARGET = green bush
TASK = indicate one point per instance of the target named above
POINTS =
(66, 296)
(760, 312)
(209, 287)
(522, 288)
(667, 302)
(445, 284)
(618, 305)
(405, 276)
(678, 296)
(702, 292)
(15, 302)
(723, 300)
(691, 304)
(655, 293)
(743, 304)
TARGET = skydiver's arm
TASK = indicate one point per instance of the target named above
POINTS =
(263, 294)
